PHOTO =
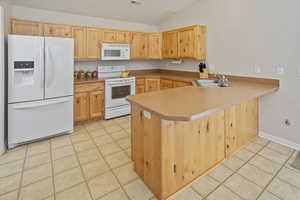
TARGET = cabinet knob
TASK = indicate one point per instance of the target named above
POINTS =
(227, 146)
(78, 101)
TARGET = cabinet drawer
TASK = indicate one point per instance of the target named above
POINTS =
(181, 84)
(86, 87)
(140, 81)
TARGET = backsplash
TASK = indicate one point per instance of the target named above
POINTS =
(131, 65)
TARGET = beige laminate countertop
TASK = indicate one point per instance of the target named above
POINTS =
(191, 102)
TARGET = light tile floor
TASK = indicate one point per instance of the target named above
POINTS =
(94, 163)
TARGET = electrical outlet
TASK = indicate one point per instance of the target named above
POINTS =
(257, 69)
(280, 70)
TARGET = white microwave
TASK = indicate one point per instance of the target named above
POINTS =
(115, 51)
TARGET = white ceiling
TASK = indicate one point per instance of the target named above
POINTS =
(150, 12)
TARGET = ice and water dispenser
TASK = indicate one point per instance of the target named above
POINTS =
(24, 72)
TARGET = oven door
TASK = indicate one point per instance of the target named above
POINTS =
(116, 93)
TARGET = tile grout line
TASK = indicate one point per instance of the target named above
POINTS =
(275, 175)
(81, 170)
(52, 168)
(111, 170)
(234, 172)
(22, 174)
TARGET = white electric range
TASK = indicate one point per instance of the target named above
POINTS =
(116, 91)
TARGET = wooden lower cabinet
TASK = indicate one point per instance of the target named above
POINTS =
(168, 155)
(139, 89)
(241, 125)
(81, 107)
(96, 104)
(166, 84)
(181, 84)
(88, 102)
(152, 84)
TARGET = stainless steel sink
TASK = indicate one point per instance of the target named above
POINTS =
(210, 84)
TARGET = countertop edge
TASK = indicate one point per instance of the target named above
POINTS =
(206, 113)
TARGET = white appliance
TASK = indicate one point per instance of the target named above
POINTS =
(40, 87)
(2, 82)
(116, 91)
(115, 51)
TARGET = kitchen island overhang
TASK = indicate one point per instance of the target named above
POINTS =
(180, 134)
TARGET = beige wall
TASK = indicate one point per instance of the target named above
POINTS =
(60, 17)
(242, 34)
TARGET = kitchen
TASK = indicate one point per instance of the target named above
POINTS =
(134, 136)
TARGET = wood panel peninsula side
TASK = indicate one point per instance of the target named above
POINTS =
(180, 134)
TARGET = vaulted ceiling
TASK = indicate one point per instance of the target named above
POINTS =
(149, 12)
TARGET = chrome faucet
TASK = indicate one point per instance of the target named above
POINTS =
(222, 80)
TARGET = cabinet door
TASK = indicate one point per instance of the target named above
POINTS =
(172, 156)
(166, 84)
(170, 44)
(186, 43)
(123, 37)
(181, 84)
(241, 124)
(140, 89)
(79, 35)
(93, 39)
(137, 140)
(152, 153)
(81, 107)
(57, 30)
(114, 36)
(152, 84)
(24, 27)
(96, 104)
(139, 46)
(214, 139)
(155, 46)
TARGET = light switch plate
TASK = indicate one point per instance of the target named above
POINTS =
(147, 114)
(280, 70)
(257, 69)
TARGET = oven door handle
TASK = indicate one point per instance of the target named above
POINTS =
(118, 84)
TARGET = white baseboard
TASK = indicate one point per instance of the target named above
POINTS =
(279, 140)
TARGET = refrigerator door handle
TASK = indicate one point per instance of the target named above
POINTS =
(41, 104)
(49, 67)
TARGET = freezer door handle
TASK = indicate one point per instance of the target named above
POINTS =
(41, 104)
(49, 67)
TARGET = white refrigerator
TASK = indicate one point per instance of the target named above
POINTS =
(40, 88)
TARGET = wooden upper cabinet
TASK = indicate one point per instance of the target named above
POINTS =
(25, 27)
(79, 35)
(93, 42)
(192, 42)
(57, 30)
(170, 44)
(115, 36)
(139, 45)
(186, 43)
(155, 46)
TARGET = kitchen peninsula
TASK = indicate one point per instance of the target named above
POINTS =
(179, 134)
